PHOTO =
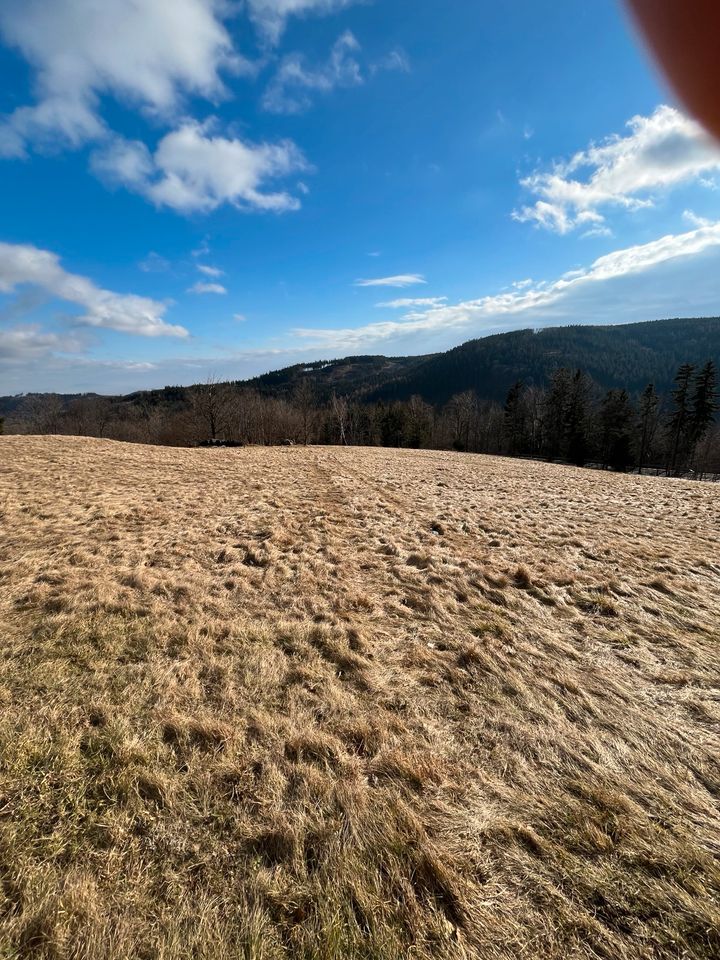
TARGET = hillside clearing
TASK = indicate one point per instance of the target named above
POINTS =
(329, 702)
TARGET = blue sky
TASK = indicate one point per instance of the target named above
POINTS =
(223, 188)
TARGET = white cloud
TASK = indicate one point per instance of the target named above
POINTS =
(660, 152)
(32, 360)
(669, 277)
(134, 365)
(291, 88)
(239, 317)
(270, 16)
(22, 264)
(154, 263)
(195, 171)
(597, 231)
(397, 59)
(201, 287)
(293, 85)
(694, 220)
(405, 302)
(203, 248)
(123, 162)
(150, 53)
(30, 343)
(67, 373)
(401, 280)
(210, 271)
(539, 301)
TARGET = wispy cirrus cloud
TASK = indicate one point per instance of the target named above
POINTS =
(270, 16)
(24, 265)
(292, 88)
(689, 216)
(403, 303)
(295, 83)
(584, 295)
(202, 287)
(209, 270)
(400, 280)
(154, 263)
(396, 60)
(660, 152)
(670, 276)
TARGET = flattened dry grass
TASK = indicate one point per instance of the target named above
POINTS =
(321, 703)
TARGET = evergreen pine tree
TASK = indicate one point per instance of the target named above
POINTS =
(704, 403)
(576, 432)
(515, 420)
(615, 418)
(679, 435)
(555, 414)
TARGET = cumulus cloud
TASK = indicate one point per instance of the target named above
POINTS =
(660, 152)
(270, 16)
(405, 302)
(154, 56)
(201, 287)
(25, 265)
(194, 170)
(534, 301)
(291, 89)
(401, 280)
(150, 53)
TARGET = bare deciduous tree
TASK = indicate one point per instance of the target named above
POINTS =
(305, 402)
(339, 408)
(42, 412)
(215, 406)
(89, 416)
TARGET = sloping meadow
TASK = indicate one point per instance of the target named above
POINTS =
(325, 702)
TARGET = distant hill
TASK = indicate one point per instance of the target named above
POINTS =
(628, 355)
(625, 355)
(351, 376)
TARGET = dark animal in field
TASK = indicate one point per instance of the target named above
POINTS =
(221, 443)
(287, 443)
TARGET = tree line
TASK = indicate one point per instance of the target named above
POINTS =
(570, 420)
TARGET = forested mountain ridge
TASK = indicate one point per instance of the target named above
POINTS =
(349, 377)
(609, 396)
(625, 356)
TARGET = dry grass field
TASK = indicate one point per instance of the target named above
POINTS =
(354, 703)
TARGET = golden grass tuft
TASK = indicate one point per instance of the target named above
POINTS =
(282, 704)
